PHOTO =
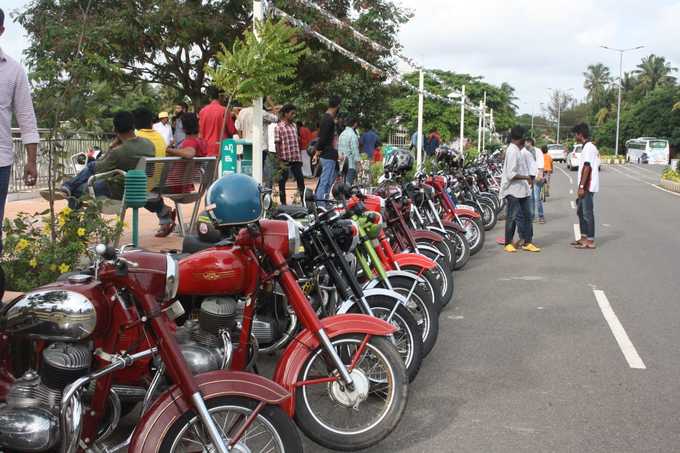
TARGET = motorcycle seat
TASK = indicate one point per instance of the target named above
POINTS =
(295, 211)
(192, 244)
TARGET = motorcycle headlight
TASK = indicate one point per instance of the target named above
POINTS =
(294, 240)
(171, 278)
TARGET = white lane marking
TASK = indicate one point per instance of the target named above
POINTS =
(606, 225)
(571, 191)
(627, 348)
(571, 180)
(644, 169)
(646, 182)
(577, 232)
(632, 172)
(573, 204)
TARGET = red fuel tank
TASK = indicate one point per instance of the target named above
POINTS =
(225, 270)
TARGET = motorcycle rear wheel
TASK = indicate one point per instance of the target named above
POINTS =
(463, 250)
(271, 429)
(318, 411)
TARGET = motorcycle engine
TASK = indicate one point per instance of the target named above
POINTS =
(29, 420)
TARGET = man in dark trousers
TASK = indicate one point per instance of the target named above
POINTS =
(326, 153)
(588, 186)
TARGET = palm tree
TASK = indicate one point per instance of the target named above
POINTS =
(629, 82)
(654, 71)
(597, 79)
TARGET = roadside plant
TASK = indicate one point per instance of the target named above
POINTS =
(33, 258)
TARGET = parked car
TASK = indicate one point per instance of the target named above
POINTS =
(573, 157)
(557, 152)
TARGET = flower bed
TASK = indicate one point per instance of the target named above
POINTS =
(34, 256)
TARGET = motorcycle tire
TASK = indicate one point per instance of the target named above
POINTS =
(434, 280)
(321, 426)
(271, 420)
(403, 320)
(423, 309)
(445, 277)
(489, 216)
(474, 233)
(462, 249)
(443, 247)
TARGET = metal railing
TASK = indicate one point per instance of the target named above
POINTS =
(70, 144)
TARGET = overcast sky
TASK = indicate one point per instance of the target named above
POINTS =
(531, 44)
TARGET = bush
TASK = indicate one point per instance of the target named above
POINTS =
(31, 259)
(671, 175)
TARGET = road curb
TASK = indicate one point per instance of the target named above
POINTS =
(670, 185)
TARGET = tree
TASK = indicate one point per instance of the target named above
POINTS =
(654, 71)
(254, 67)
(597, 80)
(167, 42)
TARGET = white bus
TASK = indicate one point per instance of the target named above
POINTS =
(647, 150)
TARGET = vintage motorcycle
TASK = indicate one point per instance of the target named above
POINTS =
(348, 381)
(67, 347)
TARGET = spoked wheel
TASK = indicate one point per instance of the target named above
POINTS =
(340, 418)
(407, 338)
(462, 247)
(474, 233)
(271, 431)
(434, 280)
(444, 276)
(489, 217)
(425, 312)
(443, 247)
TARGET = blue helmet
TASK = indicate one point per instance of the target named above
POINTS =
(234, 200)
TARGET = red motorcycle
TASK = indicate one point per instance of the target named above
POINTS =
(347, 379)
(88, 333)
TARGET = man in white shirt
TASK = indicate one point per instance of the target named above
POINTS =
(536, 163)
(15, 98)
(163, 127)
(588, 186)
(515, 188)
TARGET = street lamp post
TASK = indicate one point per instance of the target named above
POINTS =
(560, 96)
(618, 106)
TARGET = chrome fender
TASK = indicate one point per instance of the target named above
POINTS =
(375, 282)
(347, 305)
(429, 248)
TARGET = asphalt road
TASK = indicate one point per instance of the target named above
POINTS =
(526, 360)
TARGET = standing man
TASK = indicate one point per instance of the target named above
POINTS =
(15, 97)
(288, 151)
(537, 165)
(325, 151)
(588, 186)
(516, 189)
(348, 148)
(163, 127)
(369, 141)
(178, 134)
(433, 141)
(215, 123)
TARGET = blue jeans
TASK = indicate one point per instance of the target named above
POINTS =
(586, 215)
(5, 175)
(77, 186)
(328, 173)
(351, 176)
(538, 203)
(518, 218)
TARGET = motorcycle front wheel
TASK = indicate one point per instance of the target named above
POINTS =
(474, 233)
(462, 247)
(346, 419)
(489, 216)
(444, 276)
(407, 338)
(272, 430)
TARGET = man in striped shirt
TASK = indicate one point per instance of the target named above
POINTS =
(15, 97)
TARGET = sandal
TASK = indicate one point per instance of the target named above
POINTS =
(586, 247)
(166, 229)
(576, 243)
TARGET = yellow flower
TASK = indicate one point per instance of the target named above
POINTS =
(63, 268)
(33, 263)
(61, 221)
(21, 245)
(81, 232)
(47, 229)
(66, 211)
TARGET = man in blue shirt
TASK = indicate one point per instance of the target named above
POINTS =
(369, 141)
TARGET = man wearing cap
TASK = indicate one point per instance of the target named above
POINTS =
(15, 98)
(163, 127)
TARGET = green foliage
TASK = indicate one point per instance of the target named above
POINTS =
(33, 258)
(254, 67)
(654, 71)
(671, 175)
(446, 117)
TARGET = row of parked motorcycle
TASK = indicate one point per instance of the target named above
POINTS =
(344, 293)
